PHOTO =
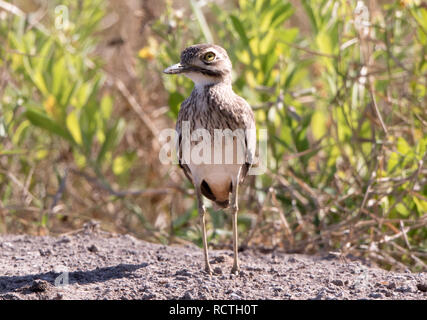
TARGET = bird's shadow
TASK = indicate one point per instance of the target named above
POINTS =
(22, 283)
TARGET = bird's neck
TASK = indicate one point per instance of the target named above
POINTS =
(201, 80)
(217, 85)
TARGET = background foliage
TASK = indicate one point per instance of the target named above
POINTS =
(339, 85)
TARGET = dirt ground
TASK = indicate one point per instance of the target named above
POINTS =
(98, 265)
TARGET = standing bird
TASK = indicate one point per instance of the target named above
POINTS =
(213, 106)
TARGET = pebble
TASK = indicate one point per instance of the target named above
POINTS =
(187, 296)
(45, 252)
(235, 296)
(183, 272)
(7, 245)
(218, 259)
(338, 282)
(217, 270)
(375, 295)
(93, 248)
(422, 286)
(64, 239)
(39, 285)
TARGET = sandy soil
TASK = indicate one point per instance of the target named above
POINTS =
(97, 265)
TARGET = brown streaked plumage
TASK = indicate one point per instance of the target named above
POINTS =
(213, 106)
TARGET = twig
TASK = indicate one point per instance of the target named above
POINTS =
(18, 12)
(285, 223)
(259, 216)
(60, 192)
(121, 194)
(374, 102)
(18, 183)
(138, 109)
(405, 237)
(310, 51)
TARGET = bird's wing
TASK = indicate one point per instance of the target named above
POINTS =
(246, 121)
(182, 116)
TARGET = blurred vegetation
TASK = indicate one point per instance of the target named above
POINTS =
(341, 89)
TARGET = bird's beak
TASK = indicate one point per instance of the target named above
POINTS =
(175, 69)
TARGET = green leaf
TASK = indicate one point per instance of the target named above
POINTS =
(40, 120)
(318, 124)
(307, 7)
(323, 42)
(175, 100)
(403, 147)
(237, 24)
(36, 77)
(281, 14)
(73, 126)
(401, 208)
(111, 138)
(58, 74)
(393, 162)
(19, 132)
(123, 163)
(106, 106)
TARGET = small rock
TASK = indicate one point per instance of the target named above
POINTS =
(217, 270)
(91, 226)
(404, 289)
(93, 248)
(161, 258)
(183, 272)
(202, 296)
(218, 259)
(422, 286)
(391, 285)
(338, 282)
(45, 252)
(235, 296)
(148, 296)
(7, 245)
(375, 295)
(320, 295)
(187, 296)
(39, 285)
(9, 296)
(59, 296)
(64, 239)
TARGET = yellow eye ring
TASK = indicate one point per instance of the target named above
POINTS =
(209, 56)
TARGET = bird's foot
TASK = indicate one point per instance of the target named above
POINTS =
(235, 270)
(208, 270)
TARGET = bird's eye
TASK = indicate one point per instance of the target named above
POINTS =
(209, 56)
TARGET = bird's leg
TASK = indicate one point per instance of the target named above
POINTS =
(234, 210)
(202, 212)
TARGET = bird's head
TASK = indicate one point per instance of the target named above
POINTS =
(204, 64)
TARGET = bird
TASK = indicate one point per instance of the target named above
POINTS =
(212, 106)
